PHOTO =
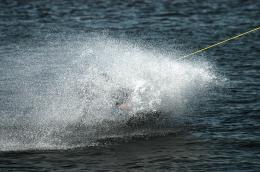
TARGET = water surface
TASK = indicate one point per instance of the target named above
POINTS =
(60, 61)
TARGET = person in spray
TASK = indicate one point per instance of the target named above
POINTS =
(122, 100)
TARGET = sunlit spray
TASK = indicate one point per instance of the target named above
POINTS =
(74, 105)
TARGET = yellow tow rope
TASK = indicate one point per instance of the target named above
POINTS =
(219, 43)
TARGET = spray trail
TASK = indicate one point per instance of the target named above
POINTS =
(67, 93)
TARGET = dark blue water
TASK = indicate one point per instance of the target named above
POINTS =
(60, 62)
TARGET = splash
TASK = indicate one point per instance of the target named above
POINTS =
(67, 93)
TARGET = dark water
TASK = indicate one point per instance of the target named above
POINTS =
(42, 60)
